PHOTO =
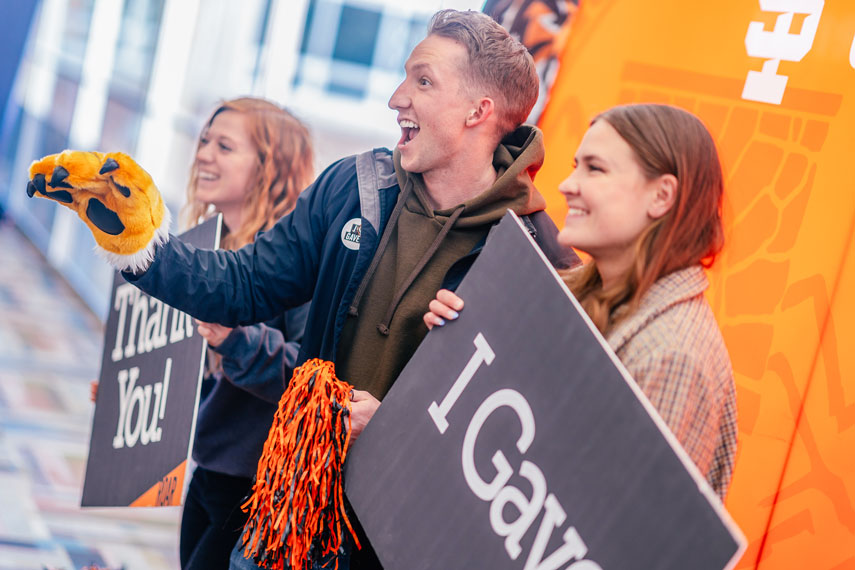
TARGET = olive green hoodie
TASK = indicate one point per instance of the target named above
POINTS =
(418, 247)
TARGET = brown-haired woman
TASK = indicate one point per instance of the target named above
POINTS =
(252, 161)
(644, 202)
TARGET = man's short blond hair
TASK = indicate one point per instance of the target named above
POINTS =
(498, 64)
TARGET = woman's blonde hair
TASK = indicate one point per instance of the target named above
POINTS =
(664, 140)
(285, 167)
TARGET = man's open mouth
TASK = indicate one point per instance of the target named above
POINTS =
(409, 130)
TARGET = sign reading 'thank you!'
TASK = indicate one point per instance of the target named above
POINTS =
(148, 392)
(515, 439)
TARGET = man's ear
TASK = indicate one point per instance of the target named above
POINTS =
(482, 110)
(664, 195)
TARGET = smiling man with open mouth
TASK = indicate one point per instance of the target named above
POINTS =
(373, 239)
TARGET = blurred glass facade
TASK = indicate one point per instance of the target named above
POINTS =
(141, 76)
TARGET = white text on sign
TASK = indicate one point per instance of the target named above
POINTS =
(146, 321)
(141, 426)
(497, 491)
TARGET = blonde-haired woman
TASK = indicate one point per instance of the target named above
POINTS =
(252, 161)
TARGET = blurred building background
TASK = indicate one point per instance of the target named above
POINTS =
(141, 76)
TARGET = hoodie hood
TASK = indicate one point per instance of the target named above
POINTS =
(417, 249)
(516, 160)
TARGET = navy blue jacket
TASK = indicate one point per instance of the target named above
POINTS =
(237, 404)
(307, 255)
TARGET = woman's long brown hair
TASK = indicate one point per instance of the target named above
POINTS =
(665, 140)
(285, 167)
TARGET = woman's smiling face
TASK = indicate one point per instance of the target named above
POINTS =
(609, 198)
(226, 159)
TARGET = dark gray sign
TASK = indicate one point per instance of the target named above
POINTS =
(148, 391)
(514, 438)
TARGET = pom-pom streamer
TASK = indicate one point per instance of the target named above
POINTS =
(296, 510)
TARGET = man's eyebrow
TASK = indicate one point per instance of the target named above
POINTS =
(419, 66)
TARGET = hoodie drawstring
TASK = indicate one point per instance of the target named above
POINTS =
(353, 310)
(383, 327)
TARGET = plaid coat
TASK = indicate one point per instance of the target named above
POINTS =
(672, 347)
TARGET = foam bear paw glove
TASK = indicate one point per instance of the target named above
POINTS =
(113, 195)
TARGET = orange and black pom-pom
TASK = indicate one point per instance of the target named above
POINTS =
(296, 509)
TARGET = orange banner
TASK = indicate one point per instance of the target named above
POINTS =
(774, 80)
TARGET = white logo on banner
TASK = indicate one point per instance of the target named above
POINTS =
(852, 54)
(767, 86)
(350, 233)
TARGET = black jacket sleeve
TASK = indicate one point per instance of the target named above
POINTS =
(276, 272)
(260, 359)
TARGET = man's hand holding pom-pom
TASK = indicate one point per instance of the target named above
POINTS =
(114, 196)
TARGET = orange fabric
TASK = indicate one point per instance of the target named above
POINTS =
(783, 289)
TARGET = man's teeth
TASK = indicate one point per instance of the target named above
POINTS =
(409, 130)
(576, 211)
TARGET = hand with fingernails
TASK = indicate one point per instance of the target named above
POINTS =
(446, 307)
